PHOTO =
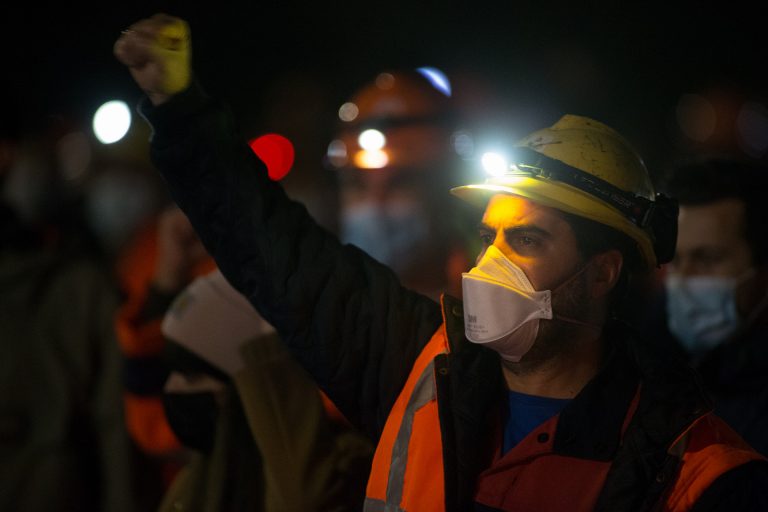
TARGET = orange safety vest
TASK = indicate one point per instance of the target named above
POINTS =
(408, 472)
(144, 414)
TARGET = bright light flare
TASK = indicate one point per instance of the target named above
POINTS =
(437, 78)
(111, 121)
(371, 140)
(494, 164)
(373, 159)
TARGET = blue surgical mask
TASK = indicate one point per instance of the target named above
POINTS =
(701, 310)
(391, 233)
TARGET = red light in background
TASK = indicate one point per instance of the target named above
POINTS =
(276, 152)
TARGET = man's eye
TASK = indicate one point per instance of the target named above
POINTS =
(525, 241)
(487, 238)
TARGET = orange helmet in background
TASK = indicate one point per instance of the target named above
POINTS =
(400, 120)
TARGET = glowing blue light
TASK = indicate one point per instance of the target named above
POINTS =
(437, 78)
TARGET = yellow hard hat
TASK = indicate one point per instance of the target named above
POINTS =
(585, 168)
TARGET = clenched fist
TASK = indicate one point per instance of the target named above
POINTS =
(157, 52)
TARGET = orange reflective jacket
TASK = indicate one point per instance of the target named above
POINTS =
(409, 473)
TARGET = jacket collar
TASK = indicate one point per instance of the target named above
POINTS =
(591, 426)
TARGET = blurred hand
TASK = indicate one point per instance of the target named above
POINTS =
(157, 52)
(179, 250)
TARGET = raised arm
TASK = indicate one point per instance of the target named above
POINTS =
(342, 314)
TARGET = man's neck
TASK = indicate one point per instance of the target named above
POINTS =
(563, 375)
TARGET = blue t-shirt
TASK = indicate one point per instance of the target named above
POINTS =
(526, 412)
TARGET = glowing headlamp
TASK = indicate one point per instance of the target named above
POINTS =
(494, 164)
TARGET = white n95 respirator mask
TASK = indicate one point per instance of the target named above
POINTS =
(501, 308)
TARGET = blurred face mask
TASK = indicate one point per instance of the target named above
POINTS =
(701, 310)
(391, 233)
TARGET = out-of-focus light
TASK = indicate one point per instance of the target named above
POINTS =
(276, 152)
(463, 144)
(371, 140)
(696, 117)
(494, 164)
(111, 121)
(753, 129)
(385, 81)
(437, 78)
(371, 159)
(74, 155)
(348, 112)
(337, 153)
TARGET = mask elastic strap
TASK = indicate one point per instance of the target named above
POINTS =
(572, 277)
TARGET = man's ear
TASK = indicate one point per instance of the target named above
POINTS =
(606, 270)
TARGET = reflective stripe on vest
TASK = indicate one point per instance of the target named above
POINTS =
(422, 393)
(411, 437)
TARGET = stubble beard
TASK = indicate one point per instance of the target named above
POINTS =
(557, 339)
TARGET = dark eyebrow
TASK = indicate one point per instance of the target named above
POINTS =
(522, 229)
(482, 226)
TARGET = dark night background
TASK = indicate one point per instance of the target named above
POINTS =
(517, 67)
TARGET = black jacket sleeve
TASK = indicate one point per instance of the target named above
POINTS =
(342, 314)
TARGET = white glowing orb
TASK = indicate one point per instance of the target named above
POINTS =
(348, 111)
(371, 140)
(494, 164)
(437, 78)
(111, 121)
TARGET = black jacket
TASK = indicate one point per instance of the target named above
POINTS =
(357, 331)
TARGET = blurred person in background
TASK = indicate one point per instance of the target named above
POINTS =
(713, 311)
(263, 436)
(239, 443)
(394, 153)
(63, 442)
(163, 257)
(540, 400)
(160, 262)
